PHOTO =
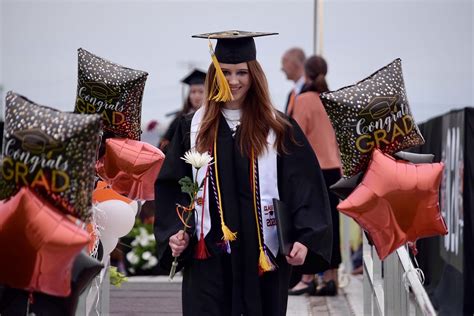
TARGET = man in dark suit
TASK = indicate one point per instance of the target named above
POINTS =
(292, 64)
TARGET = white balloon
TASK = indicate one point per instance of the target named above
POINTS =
(117, 218)
(108, 244)
(134, 205)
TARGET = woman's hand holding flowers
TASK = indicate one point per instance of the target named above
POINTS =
(178, 243)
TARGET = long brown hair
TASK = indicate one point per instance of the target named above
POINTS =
(258, 116)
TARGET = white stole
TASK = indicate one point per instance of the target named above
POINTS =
(268, 187)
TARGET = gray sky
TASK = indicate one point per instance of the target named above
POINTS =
(39, 41)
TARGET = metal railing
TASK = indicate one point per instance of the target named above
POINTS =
(393, 286)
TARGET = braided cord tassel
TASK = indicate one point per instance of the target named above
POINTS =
(264, 262)
(228, 235)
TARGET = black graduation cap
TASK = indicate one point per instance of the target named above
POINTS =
(37, 141)
(195, 77)
(380, 106)
(100, 90)
(234, 47)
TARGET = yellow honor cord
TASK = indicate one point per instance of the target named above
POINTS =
(228, 235)
(263, 260)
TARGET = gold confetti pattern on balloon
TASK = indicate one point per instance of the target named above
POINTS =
(374, 113)
(112, 91)
(52, 152)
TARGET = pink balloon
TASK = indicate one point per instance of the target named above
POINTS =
(397, 202)
(131, 167)
(38, 245)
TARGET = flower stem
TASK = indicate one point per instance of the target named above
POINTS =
(174, 265)
(196, 189)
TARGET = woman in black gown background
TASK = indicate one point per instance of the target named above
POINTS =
(195, 81)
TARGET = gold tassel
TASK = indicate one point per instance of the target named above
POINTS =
(228, 235)
(264, 262)
(220, 91)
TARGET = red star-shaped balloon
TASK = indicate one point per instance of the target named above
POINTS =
(37, 245)
(131, 167)
(397, 202)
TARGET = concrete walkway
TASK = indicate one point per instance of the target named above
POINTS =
(158, 296)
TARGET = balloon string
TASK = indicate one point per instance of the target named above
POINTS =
(98, 282)
(418, 270)
(95, 231)
(28, 302)
(419, 274)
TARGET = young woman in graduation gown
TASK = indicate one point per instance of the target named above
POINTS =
(231, 260)
(195, 81)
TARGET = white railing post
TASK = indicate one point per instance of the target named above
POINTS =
(368, 276)
(411, 278)
(389, 285)
(373, 289)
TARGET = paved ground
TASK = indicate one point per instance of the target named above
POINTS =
(157, 296)
(146, 296)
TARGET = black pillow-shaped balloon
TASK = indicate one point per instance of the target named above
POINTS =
(14, 301)
(112, 91)
(414, 157)
(344, 186)
(373, 113)
(84, 270)
(52, 152)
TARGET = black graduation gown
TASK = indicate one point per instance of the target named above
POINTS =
(170, 132)
(172, 128)
(229, 284)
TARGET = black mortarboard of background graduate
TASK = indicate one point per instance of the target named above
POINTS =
(233, 47)
(195, 77)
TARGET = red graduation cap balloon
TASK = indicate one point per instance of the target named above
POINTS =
(131, 167)
(37, 245)
(373, 113)
(397, 202)
(113, 91)
(50, 151)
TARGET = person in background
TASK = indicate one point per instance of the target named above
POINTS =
(310, 114)
(1, 137)
(232, 263)
(195, 81)
(292, 64)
